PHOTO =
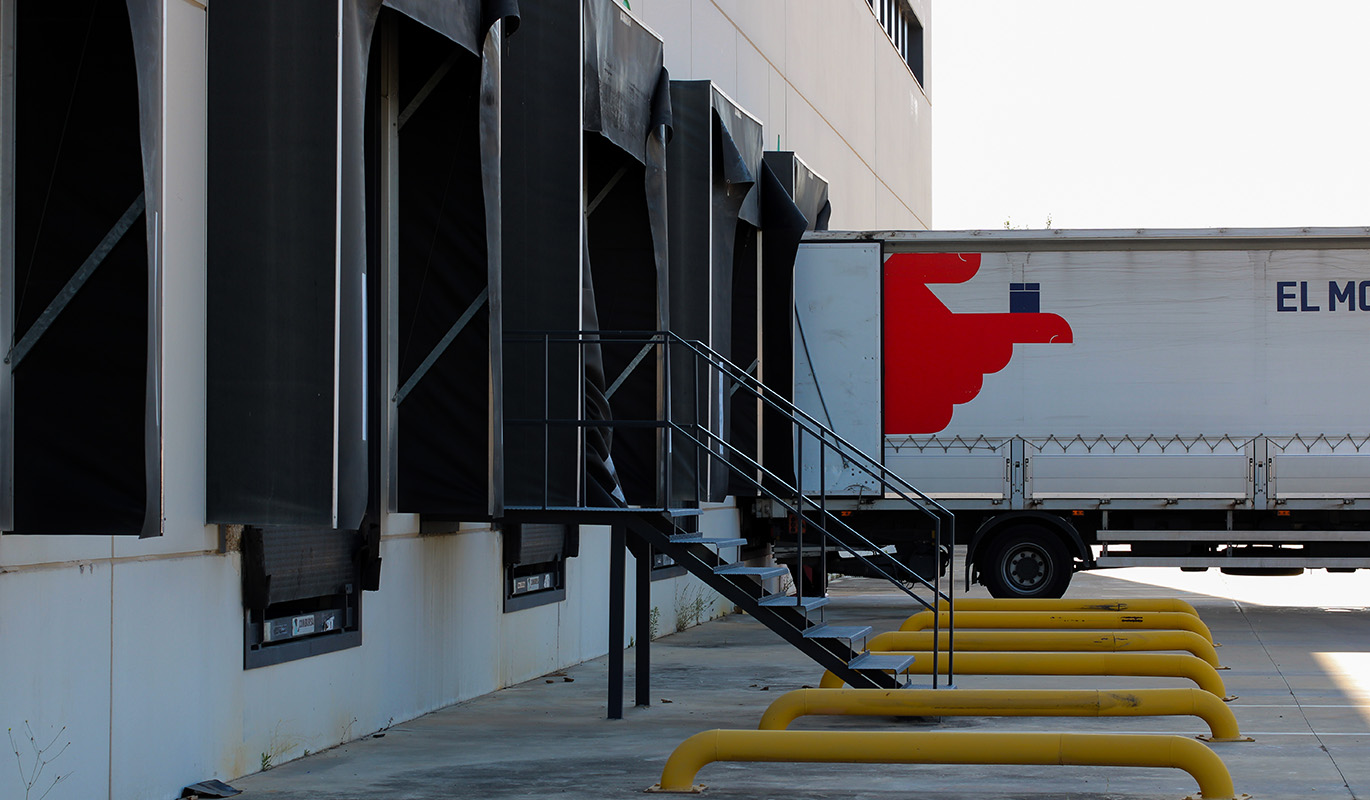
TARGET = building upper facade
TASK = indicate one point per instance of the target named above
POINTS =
(842, 83)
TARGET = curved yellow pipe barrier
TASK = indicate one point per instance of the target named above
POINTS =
(1072, 604)
(1051, 641)
(1222, 723)
(939, 747)
(1151, 665)
(1065, 620)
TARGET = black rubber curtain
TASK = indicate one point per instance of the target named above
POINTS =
(542, 218)
(448, 196)
(287, 423)
(81, 387)
(626, 116)
(713, 162)
(807, 190)
(583, 249)
(793, 199)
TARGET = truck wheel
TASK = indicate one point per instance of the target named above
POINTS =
(1027, 562)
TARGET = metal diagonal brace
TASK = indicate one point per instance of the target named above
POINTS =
(442, 346)
(603, 193)
(59, 303)
(628, 370)
(751, 371)
(428, 87)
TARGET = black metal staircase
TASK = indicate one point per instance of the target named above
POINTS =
(666, 527)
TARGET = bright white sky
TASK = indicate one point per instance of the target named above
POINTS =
(1169, 113)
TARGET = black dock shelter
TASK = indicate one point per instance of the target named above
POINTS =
(352, 260)
(80, 270)
(712, 166)
(794, 200)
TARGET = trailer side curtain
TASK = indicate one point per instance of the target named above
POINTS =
(80, 391)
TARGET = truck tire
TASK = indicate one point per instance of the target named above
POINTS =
(1027, 562)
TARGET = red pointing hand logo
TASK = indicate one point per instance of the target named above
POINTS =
(936, 359)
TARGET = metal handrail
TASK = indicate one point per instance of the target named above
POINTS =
(802, 422)
(823, 432)
(799, 418)
(766, 394)
(832, 517)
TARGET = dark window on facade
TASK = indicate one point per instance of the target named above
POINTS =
(904, 30)
(75, 274)
(535, 563)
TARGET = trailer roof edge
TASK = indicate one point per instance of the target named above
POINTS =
(1305, 238)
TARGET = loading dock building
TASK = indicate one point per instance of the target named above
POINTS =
(284, 290)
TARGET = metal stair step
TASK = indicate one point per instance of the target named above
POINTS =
(761, 573)
(882, 661)
(847, 632)
(676, 513)
(791, 601)
(694, 538)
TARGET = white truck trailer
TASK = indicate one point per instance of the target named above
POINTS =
(1092, 399)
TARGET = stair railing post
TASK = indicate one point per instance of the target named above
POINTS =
(951, 592)
(937, 601)
(823, 506)
(665, 434)
(546, 415)
(799, 514)
(582, 428)
(700, 479)
(618, 547)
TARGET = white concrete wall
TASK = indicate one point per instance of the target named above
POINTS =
(827, 83)
(140, 658)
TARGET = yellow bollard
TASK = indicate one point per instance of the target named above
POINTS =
(1222, 723)
(1064, 620)
(1072, 604)
(940, 747)
(1051, 641)
(1153, 665)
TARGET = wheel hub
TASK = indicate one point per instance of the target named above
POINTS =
(1026, 568)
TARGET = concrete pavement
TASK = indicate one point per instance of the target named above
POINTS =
(1298, 648)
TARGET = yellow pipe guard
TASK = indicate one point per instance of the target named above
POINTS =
(1222, 723)
(1064, 620)
(1072, 604)
(1051, 641)
(941, 747)
(1153, 665)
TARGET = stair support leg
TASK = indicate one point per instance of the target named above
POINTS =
(643, 636)
(618, 563)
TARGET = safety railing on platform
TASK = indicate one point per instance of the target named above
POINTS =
(693, 440)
